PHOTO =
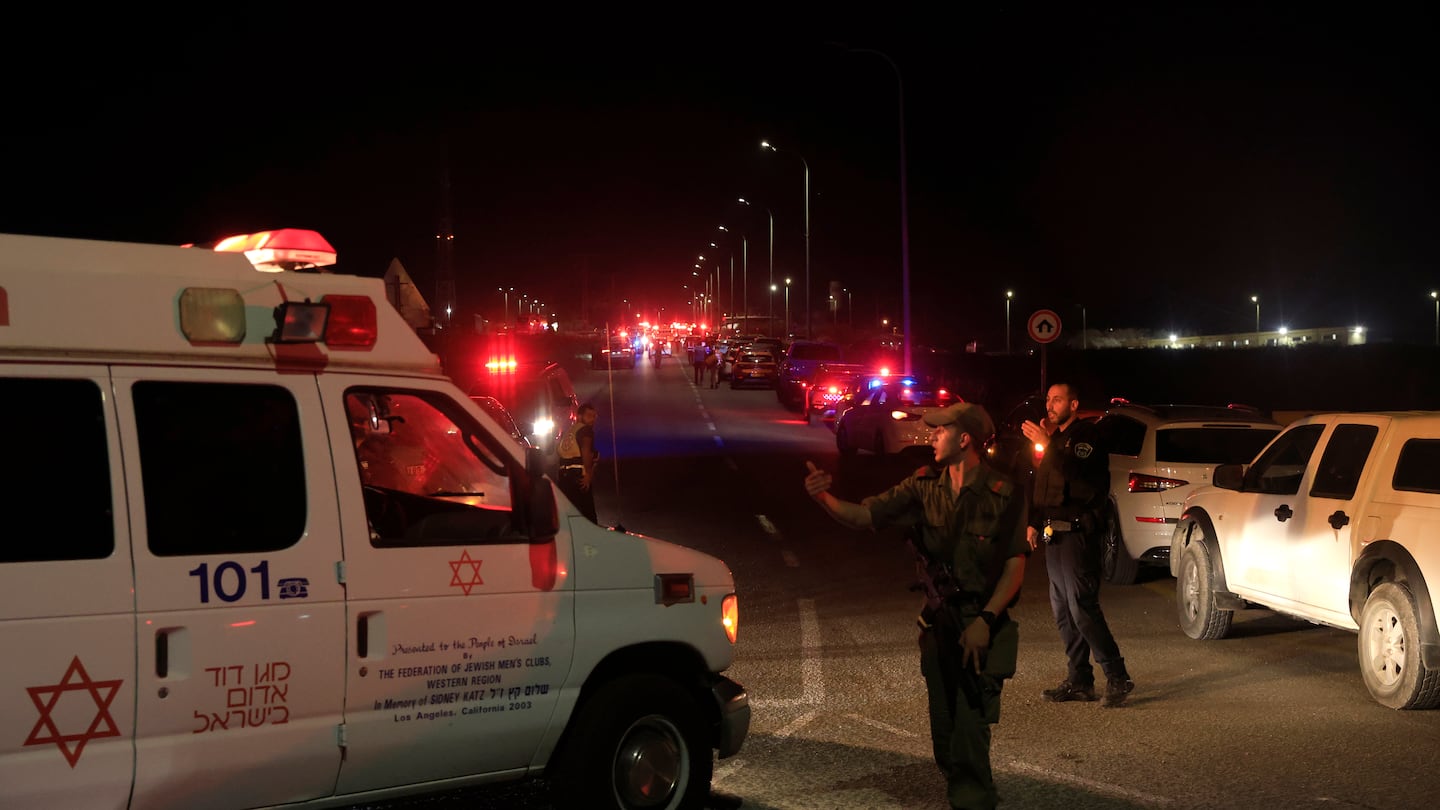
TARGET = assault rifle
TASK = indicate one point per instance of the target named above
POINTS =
(932, 578)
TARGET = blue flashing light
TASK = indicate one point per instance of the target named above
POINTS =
(907, 381)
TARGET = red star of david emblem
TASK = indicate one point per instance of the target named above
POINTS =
(46, 697)
(473, 573)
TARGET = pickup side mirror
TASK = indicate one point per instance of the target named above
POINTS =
(1229, 476)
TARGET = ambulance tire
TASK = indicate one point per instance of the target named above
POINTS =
(637, 739)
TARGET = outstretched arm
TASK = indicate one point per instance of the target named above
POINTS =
(817, 484)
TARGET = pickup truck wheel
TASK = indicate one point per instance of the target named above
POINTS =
(1389, 651)
(1195, 595)
(638, 744)
(1116, 564)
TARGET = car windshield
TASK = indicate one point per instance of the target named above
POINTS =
(1211, 445)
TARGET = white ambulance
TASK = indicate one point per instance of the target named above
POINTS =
(260, 552)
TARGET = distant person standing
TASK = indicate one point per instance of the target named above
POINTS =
(1072, 487)
(577, 462)
(697, 360)
(712, 368)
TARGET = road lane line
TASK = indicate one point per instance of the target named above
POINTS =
(1015, 765)
(899, 732)
(767, 525)
(795, 725)
(710, 425)
(812, 682)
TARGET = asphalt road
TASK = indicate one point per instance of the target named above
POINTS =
(1274, 716)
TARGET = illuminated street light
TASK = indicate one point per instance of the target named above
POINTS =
(770, 313)
(1009, 294)
(1436, 296)
(787, 307)
(806, 164)
(1255, 299)
(506, 292)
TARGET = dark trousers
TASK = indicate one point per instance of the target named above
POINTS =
(699, 372)
(1073, 563)
(584, 499)
(963, 704)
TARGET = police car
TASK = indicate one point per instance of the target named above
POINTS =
(274, 557)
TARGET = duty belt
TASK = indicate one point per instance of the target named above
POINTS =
(567, 464)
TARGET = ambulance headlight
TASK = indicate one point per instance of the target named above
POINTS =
(544, 426)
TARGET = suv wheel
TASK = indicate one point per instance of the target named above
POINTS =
(1195, 594)
(1116, 564)
(1389, 651)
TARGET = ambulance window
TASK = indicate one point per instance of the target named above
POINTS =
(56, 473)
(431, 475)
(222, 467)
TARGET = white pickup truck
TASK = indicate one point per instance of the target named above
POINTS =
(1336, 522)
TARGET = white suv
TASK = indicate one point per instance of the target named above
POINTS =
(1158, 455)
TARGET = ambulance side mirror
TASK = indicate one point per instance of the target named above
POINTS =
(544, 512)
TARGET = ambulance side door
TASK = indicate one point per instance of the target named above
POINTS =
(462, 626)
(240, 615)
(67, 607)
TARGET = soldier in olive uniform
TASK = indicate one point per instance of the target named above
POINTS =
(1072, 487)
(970, 520)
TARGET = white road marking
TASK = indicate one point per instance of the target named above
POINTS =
(899, 732)
(767, 525)
(812, 682)
(795, 725)
(1088, 784)
(710, 425)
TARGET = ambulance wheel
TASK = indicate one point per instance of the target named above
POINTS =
(638, 744)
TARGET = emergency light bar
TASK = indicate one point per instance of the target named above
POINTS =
(288, 249)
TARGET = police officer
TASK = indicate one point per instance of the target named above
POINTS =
(1072, 487)
(971, 521)
(577, 462)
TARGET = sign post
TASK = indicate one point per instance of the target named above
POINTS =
(1043, 327)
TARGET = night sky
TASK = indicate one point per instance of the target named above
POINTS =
(1156, 168)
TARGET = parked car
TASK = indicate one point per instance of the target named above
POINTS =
(620, 353)
(1159, 454)
(753, 368)
(797, 369)
(539, 395)
(1334, 522)
(833, 389)
(888, 418)
(492, 407)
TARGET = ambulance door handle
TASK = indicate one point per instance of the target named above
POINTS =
(172, 653)
(370, 634)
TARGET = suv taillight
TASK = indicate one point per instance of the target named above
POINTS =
(1152, 483)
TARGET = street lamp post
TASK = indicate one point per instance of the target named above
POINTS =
(770, 300)
(506, 292)
(1436, 296)
(803, 162)
(1255, 299)
(904, 204)
(787, 308)
(1009, 294)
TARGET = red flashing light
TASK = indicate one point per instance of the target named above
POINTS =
(352, 323)
(501, 365)
(283, 249)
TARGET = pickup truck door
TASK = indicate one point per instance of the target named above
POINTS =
(1254, 547)
(1320, 542)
